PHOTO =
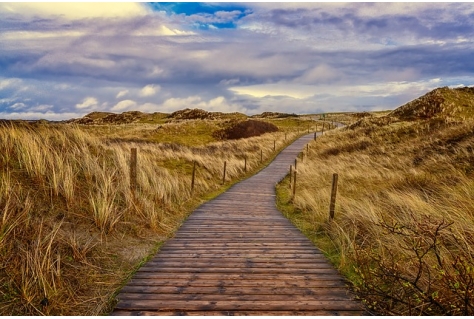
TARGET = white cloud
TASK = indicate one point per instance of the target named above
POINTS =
(9, 83)
(161, 30)
(74, 58)
(276, 89)
(40, 108)
(321, 73)
(87, 103)
(124, 105)
(73, 11)
(52, 116)
(18, 105)
(150, 90)
(121, 94)
(218, 104)
(229, 82)
(149, 107)
(27, 35)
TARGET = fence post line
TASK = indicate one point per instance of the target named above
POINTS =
(314, 136)
(274, 145)
(294, 183)
(296, 160)
(133, 170)
(194, 174)
(332, 204)
(223, 177)
(245, 163)
(307, 149)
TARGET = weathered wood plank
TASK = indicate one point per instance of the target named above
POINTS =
(155, 305)
(294, 291)
(224, 254)
(319, 283)
(304, 275)
(329, 296)
(238, 263)
(289, 262)
(238, 313)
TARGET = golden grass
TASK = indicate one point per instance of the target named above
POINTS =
(404, 226)
(72, 232)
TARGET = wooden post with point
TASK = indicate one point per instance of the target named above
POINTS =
(194, 175)
(332, 204)
(223, 176)
(133, 170)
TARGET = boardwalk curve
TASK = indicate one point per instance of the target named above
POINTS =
(238, 255)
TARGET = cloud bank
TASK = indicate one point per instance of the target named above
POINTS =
(64, 60)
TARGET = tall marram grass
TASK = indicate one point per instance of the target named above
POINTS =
(404, 226)
(71, 231)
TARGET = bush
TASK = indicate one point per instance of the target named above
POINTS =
(245, 129)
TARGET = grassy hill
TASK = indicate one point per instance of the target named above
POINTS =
(404, 227)
(443, 103)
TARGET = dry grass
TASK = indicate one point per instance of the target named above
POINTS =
(404, 226)
(72, 232)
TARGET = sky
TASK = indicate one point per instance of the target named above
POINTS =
(63, 60)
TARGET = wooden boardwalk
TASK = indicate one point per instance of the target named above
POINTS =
(238, 255)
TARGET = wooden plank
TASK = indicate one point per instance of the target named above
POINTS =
(232, 250)
(154, 305)
(277, 275)
(240, 255)
(294, 291)
(241, 240)
(235, 297)
(320, 283)
(188, 244)
(239, 266)
(158, 261)
(238, 313)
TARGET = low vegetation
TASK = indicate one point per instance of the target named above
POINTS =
(71, 230)
(404, 225)
(245, 129)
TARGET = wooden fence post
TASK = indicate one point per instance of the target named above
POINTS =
(274, 145)
(294, 184)
(194, 174)
(315, 136)
(296, 160)
(307, 149)
(245, 163)
(332, 204)
(133, 170)
(223, 177)
(291, 174)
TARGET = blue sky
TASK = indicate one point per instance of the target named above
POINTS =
(64, 60)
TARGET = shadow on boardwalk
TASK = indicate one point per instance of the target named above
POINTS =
(237, 254)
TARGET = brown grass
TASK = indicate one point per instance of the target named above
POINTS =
(404, 224)
(71, 231)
